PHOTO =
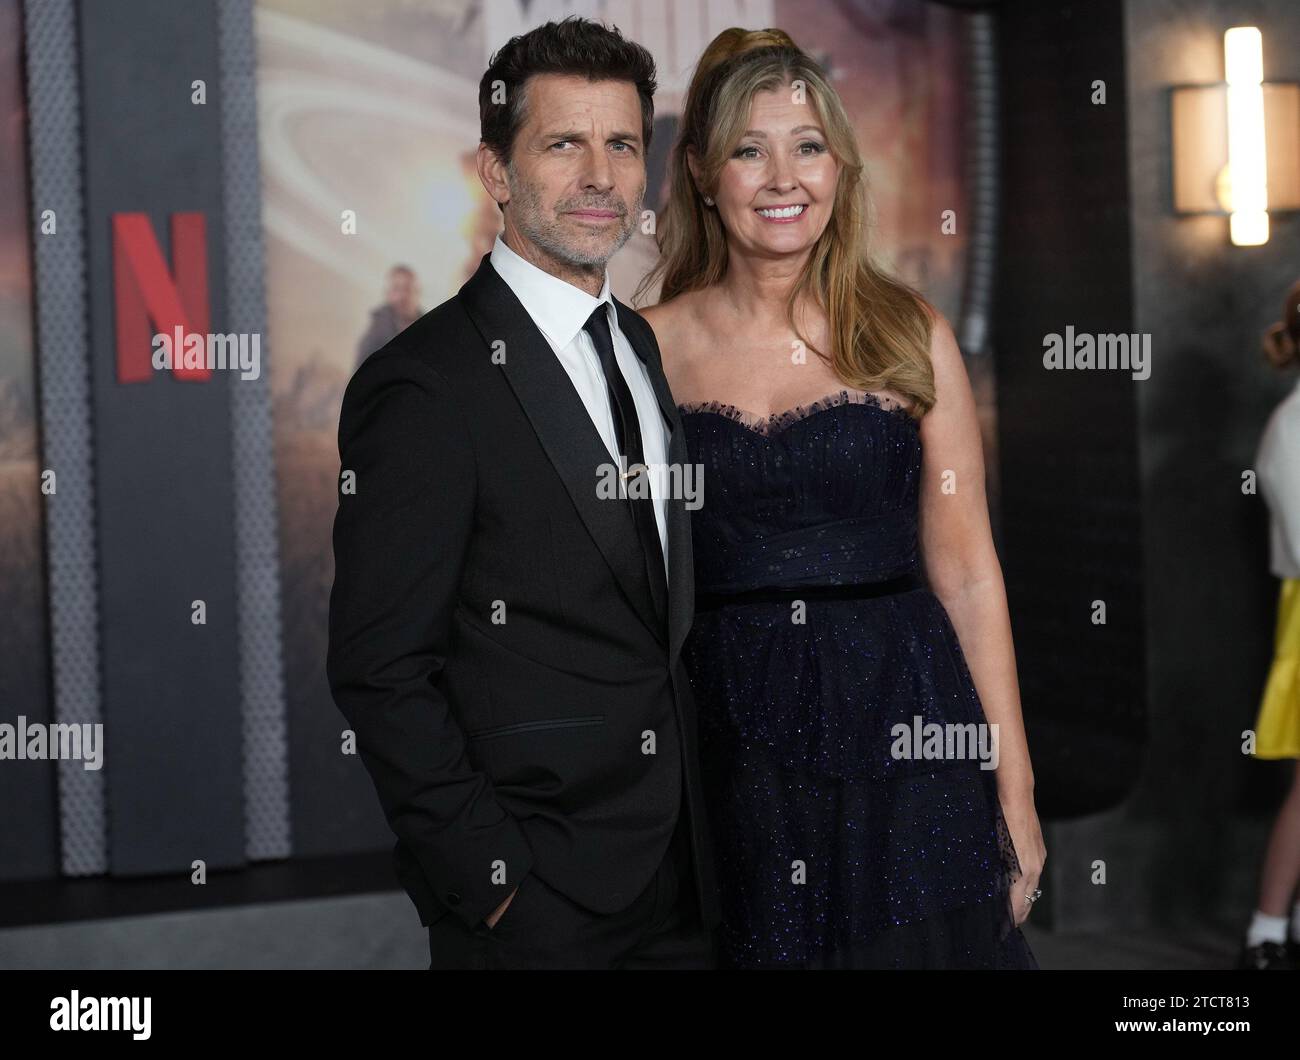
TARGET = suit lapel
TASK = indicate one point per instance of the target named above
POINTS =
(563, 427)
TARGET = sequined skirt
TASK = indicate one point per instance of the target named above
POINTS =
(845, 754)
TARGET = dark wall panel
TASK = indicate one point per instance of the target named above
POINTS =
(163, 469)
(1068, 439)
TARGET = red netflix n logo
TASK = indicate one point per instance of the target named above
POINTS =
(145, 292)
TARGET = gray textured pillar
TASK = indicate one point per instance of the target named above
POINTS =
(266, 777)
(54, 111)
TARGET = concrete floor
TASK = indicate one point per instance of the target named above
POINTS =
(382, 931)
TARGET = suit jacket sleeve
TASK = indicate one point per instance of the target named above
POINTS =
(400, 543)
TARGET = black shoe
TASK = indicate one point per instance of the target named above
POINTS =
(1266, 956)
(1293, 952)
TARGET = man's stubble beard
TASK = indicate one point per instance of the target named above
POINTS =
(547, 234)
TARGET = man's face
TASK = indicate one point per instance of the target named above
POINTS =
(576, 177)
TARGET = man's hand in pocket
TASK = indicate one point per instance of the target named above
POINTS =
(496, 913)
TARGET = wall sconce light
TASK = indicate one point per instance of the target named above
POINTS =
(1236, 144)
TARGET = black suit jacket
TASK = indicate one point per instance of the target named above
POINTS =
(492, 635)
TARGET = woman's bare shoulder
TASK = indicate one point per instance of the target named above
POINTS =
(663, 316)
(672, 323)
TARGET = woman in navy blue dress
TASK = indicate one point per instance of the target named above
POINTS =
(868, 778)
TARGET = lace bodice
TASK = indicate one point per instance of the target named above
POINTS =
(780, 421)
(823, 493)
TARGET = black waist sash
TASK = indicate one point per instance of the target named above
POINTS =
(904, 583)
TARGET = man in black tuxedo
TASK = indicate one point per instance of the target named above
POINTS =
(505, 634)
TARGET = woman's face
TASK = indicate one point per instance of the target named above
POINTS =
(776, 192)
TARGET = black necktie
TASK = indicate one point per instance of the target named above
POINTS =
(627, 435)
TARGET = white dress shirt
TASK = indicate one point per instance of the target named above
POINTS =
(560, 310)
(1278, 466)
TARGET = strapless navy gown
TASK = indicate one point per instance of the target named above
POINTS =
(836, 849)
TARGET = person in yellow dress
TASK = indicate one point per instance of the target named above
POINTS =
(1277, 728)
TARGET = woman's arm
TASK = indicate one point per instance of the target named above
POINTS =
(962, 566)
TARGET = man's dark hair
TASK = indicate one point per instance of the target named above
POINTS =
(574, 46)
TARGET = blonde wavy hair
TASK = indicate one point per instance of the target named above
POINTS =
(879, 325)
